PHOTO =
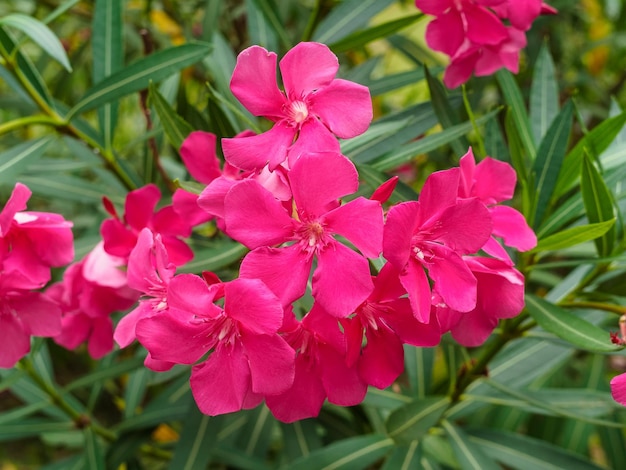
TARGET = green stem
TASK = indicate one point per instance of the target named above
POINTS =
(468, 109)
(617, 309)
(312, 22)
(27, 121)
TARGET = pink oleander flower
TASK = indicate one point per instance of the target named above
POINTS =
(31, 242)
(492, 182)
(618, 388)
(387, 321)
(320, 369)
(341, 280)
(430, 236)
(500, 294)
(313, 108)
(90, 292)
(120, 233)
(248, 359)
(472, 33)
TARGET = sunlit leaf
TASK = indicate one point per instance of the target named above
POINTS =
(13, 162)
(175, 127)
(544, 94)
(573, 236)
(513, 98)
(346, 18)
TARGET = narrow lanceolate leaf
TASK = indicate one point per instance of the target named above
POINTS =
(94, 457)
(523, 452)
(544, 95)
(573, 236)
(138, 75)
(549, 159)
(513, 98)
(468, 455)
(40, 34)
(404, 457)
(300, 438)
(175, 127)
(108, 56)
(346, 18)
(269, 9)
(598, 202)
(347, 454)
(196, 440)
(259, 28)
(363, 37)
(594, 143)
(419, 363)
(568, 326)
(14, 161)
(409, 151)
(413, 421)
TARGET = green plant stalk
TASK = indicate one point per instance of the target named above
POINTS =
(617, 309)
(62, 125)
(27, 121)
(468, 109)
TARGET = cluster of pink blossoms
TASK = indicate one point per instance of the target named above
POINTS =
(281, 194)
(473, 34)
(30, 244)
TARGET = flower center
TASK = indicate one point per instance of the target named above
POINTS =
(298, 112)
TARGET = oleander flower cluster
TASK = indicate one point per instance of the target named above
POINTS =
(291, 198)
(480, 36)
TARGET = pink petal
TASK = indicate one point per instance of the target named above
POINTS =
(15, 342)
(522, 13)
(313, 137)
(101, 339)
(618, 388)
(284, 270)
(439, 192)
(399, 228)
(411, 331)
(141, 273)
(125, 329)
(483, 27)
(387, 285)
(385, 190)
(253, 305)
(361, 222)
(118, 240)
(39, 315)
(472, 330)
(178, 251)
(51, 237)
(186, 205)
(305, 397)
(75, 328)
(460, 69)
(464, 227)
(341, 281)
(220, 384)
(17, 202)
(416, 283)
(318, 180)
(140, 205)
(494, 181)
(101, 268)
(382, 360)
(255, 217)
(344, 107)
(271, 362)
(343, 384)
(434, 7)
(513, 228)
(190, 293)
(307, 67)
(254, 82)
(199, 156)
(254, 152)
(453, 279)
(212, 197)
(446, 33)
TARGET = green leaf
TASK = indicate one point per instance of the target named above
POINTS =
(568, 326)
(404, 457)
(409, 151)
(573, 236)
(374, 179)
(196, 441)
(66, 187)
(138, 75)
(113, 371)
(544, 94)
(413, 421)
(446, 115)
(255, 437)
(549, 159)
(223, 253)
(135, 391)
(175, 127)
(269, 9)
(300, 438)
(598, 202)
(231, 457)
(40, 34)
(108, 56)
(13, 162)
(125, 447)
(62, 8)
(513, 98)
(347, 454)
(419, 364)
(32, 427)
(94, 458)
(386, 399)
(365, 36)
(522, 452)
(260, 29)
(468, 455)
(388, 83)
(594, 143)
(346, 18)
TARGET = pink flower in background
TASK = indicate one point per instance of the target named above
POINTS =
(618, 388)
(90, 292)
(120, 233)
(430, 236)
(249, 360)
(320, 369)
(341, 280)
(500, 294)
(313, 109)
(492, 182)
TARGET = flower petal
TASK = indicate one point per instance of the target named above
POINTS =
(140, 204)
(401, 224)
(416, 283)
(253, 305)
(446, 33)
(15, 342)
(382, 359)
(513, 228)
(306, 67)
(17, 202)
(199, 156)
(271, 362)
(254, 152)
(618, 388)
(313, 137)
